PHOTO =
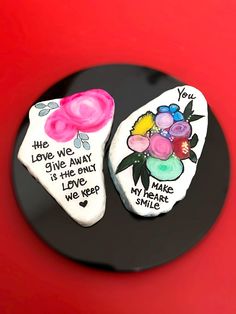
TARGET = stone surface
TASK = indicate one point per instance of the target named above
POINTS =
(64, 149)
(151, 180)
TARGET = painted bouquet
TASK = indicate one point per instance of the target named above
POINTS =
(160, 142)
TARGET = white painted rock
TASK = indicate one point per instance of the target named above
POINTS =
(154, 153)
(64, 148)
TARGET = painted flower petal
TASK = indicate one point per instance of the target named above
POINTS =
(165, 170)
(178, 116)
(173, 108)
(59, 128)
(143, 124)
(89, 111)
(181, 147)
(164, 120)
(138, 143)
(160, 147)
(180, 129)
(163, 109)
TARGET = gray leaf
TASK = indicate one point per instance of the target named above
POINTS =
(40, 105)
(77, 142)
(53, 105)
(43, 112)
(86, 145)
(83, 136)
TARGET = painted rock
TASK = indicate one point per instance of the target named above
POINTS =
(151, 181)
(64, 148)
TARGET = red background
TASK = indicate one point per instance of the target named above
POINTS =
(43, 41)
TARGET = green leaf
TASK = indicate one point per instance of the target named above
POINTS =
(40, 105)
(188, 110)
(194, 140)
(137, 167)
(145, 177)
(53, 105)
(43, 112)
(193, 156)
(128, 161)
(195, 117)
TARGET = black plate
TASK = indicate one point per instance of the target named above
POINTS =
(122, 241)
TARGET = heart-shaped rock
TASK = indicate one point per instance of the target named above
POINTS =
(154, 153)
(64, 148)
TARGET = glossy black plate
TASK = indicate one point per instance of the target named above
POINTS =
(122, 241)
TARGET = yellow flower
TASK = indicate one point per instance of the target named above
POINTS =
(143, 124)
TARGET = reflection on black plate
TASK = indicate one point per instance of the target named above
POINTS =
(122, 241)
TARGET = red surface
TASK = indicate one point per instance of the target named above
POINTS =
(43, 41)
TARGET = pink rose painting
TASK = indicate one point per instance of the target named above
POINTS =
(89, 111)
(59, 127)
(79, 114)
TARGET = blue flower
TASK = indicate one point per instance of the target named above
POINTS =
(165, 134)
(173, 109)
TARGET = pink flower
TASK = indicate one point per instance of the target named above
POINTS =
(164, 120)
(160, 147)
(59, 128)
(89, 111)
(138, 143)
(180, 129)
